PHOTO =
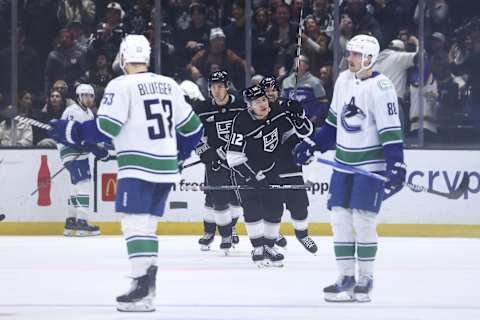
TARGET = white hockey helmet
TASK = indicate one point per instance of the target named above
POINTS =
(134, 49)
(367, 46)
(84, 89)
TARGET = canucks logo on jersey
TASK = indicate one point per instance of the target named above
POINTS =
(352, 117)
(270, 141)
(223, 130)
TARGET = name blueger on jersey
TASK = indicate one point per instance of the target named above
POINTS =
(154, 88)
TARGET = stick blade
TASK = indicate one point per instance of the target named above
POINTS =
(462, 187)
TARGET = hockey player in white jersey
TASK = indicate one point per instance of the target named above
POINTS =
(364, 125)
(76, 162)
(153, 128)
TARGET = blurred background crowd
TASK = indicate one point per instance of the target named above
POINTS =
(61, 43)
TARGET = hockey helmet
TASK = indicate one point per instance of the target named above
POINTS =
(269, 82)
(134, 49)
(367, 46)
(84, 89)
(253, 93)
(218, 76)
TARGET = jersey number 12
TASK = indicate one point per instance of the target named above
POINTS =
(167, 111)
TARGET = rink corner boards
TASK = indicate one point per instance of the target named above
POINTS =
(196, 228)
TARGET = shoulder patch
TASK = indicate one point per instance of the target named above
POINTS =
(384, 84)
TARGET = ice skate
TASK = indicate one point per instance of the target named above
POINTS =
(258, 256)
(141, 295)
(205, 241)
(281, 241)
(363, 288)
(308, 244)
(340, 291)
(86, 230)
(273, 257)
(235, 237)
(70, 229)
(226, 244)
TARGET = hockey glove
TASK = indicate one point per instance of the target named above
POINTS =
(303, 151)
(259, 181)
(396, 178)
(99, 153)
(295, 107)
(66, 132)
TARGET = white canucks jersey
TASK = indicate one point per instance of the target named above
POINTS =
(79, 114)
(142, 113)
(365, 113)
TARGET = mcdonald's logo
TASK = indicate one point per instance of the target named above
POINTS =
(109, 186)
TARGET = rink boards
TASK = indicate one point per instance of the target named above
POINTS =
(406, 214)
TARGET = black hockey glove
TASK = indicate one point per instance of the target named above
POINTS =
(396, 178)
(258, 181)
(99, 152)
(295, 107)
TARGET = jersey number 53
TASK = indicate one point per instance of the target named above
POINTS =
(158, 132)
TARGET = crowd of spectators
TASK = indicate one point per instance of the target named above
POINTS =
(62, 43)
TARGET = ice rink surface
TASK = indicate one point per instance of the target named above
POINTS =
(79, 278)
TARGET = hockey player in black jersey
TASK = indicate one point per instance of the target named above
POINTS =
(253, 150)
(296, 201)
(223, 207)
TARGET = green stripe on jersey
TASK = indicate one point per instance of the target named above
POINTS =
(359, 156)
(191, 125)
(391, 136)
(147, 162)
(108, 126)
(367, 251)
(83, 200)
(344, 250)
(331, 118)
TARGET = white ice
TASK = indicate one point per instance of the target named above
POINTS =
(73, 278)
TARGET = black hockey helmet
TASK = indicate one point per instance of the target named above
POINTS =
(218, 76)
(269, 82)
(252, 93)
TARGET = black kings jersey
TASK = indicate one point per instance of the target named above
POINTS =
(217, 120)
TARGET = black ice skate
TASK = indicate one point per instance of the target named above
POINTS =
(340, 291)
(86, 230)
(273, 258)
(258, 256)
(70, 229)
(235, 237)
(308, 244)
(281, 241)
(205, 241)
(140, 296)
(226, 244)
(362, 290)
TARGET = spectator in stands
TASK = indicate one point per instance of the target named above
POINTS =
(66, 62)
(307, 90)
(394, 62)
(62, 87)
(262, 43)
(326, 78)
(215, 57)
(295, 9)
(284, 36)
(99, 75)
(363, 21)
(53, 110)
(109, 33)
(138, 17)
(235, 32)
(79, 38)
(82, 11)
(323, 13)
(23, 132)
(315, 45)
(436, 16)
(437, 43)
(195, 37)
(346, 33)
(29, 74)
(471, 67)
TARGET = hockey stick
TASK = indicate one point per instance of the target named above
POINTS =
(33, 122)
(55, 174)
(247, 187)
(191, 164)
(299, 45)
(455, 194)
